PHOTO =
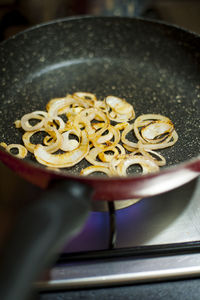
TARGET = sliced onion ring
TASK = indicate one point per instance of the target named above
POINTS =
(52, 147)
(61, 105)
(63, 160)
(108, 157)
(69, 144)
(118, 109)
(124, 140)
(116, 135)
(49, 123)
(93, 169)
(91, 157)
(22, 151)
(157, 129)
(38, 115)
(147, 165)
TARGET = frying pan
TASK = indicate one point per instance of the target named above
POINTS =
(155, 66)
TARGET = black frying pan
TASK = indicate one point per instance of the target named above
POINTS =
(154, 66)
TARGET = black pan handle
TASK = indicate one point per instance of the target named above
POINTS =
(39, 233)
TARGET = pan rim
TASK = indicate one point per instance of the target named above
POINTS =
(92, 17)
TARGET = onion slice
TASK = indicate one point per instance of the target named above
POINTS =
(38, 115)
(52, 147)
(125, 141)
(91, 157)
(153, 128)
(63, 160)
(22, 151)
(98, 137)
(148, 165)
(93, 169)
(69, 144)
(119, 110)
(60, 106)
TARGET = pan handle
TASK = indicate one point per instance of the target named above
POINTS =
(41, 230)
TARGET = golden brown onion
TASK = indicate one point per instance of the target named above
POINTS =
(36, 115)
(64, 160)
(99, 140)
(22, 151)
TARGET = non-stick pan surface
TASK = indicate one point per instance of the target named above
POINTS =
(154, 66)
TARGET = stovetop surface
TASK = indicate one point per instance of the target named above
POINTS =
(173, 217)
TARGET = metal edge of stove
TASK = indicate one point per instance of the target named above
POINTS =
(122, 271)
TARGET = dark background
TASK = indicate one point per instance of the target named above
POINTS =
(16, 15)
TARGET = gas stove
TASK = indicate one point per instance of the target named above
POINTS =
(156, 238)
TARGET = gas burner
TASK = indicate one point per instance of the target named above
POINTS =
(143, 242)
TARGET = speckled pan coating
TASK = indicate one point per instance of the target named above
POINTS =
(154, 66)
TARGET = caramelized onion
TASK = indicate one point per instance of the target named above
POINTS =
(93, 169)
(37, 115)
(98, 137)
(125, 141)
(64, 160)
(18, 124)
(153, 129)
(69, 144)
(22, 151)
(118, 109)
(97, 131)
(52, 147)
(147, 165)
